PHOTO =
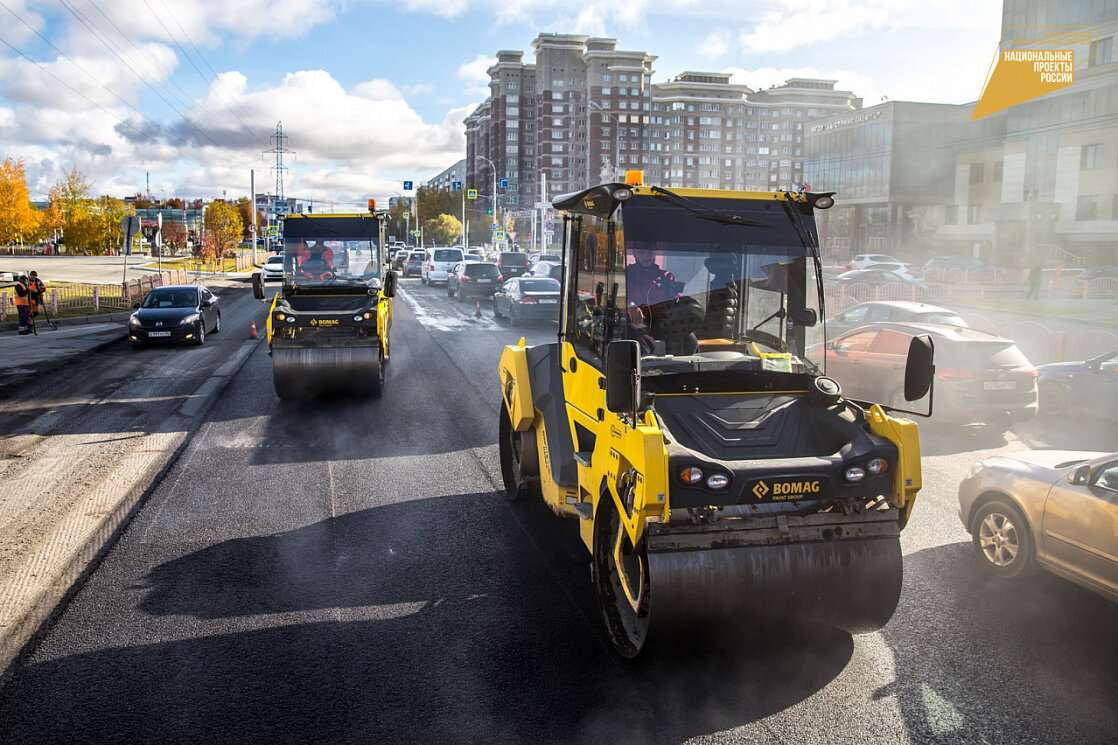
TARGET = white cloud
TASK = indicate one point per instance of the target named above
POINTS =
(444, 8)
(475, 75)
(715, 44)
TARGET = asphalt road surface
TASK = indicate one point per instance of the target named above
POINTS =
(350, 571)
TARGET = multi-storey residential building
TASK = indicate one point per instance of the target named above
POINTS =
(448, 178)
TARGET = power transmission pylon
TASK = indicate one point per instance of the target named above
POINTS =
(278, 140)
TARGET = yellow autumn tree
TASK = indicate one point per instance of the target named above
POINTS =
(222, 222)
(19, 220)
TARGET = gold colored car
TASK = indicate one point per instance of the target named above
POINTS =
(1056, 509)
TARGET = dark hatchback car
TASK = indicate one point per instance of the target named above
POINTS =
(981, 378)
(1085, 388)
(413, 264)
(175, 314)
(527, 298)
(512, 263)
(477, 279)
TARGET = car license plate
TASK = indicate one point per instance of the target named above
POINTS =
(159, 333)
(551, 301)
(999, 385)
(484, 281)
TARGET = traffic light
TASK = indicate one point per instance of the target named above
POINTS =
(489, 211)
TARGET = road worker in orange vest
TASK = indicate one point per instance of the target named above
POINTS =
(23, 304)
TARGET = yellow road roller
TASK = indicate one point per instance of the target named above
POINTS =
(329, 324)
(684, 417)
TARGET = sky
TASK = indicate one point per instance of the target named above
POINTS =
(188, 93)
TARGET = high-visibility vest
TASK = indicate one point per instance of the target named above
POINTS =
(21, 299)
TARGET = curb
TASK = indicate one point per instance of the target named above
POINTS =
(19, 639)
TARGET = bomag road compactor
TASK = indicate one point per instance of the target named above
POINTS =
(328, 327)
(721, 480)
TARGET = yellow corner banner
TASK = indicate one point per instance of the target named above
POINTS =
(1024, 74)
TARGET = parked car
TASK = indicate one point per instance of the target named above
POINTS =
(552, 269)
(526, 298)
(413, 265)
(477, 279)
(981, 378)
(1084, 388)
(536, 258)
(941, 264)
(1055, 509)
(512, 263)
(873, 277)
(890, 310)
(903, 271)
(273, 268)
(477, 254)
(174, 314)
(1101, 272)
(861, 261)
(440, 261)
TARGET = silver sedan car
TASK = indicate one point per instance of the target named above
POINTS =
(1057, 509)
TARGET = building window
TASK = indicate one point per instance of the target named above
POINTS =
(1100, 52)
(557, 83)
(974, 214)
(976, 172)
(511, 85)
(623, 78)
(951, 214)
(1090, 157)
(1087, 208)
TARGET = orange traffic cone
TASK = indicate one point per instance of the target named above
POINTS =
(477, 313)
(252, 331)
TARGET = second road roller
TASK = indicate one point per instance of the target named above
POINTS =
(329, 324)
(685, 419)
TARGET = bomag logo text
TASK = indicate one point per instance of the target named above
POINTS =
(324, 321)
(786, 489)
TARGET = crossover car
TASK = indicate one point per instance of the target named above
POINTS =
(875, 277)
(1056, 509)
(861, 261)
(1085, 388)
(413, 265)
(527, 298)
(174, 314)
(551, 269)
(512, 263)
(273, 268)
(472, 279)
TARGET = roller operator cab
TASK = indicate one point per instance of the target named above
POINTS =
(328, 326)
(721, 480)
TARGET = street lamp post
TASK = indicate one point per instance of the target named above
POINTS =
(616, 141)
(493, 168)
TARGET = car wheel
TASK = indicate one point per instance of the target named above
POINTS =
(1052, 400)
(1002, 539)
(449, 291)
(496, 315)
(514, 319)
(200, 332)
(217, 324)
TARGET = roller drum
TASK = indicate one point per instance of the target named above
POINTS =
(853, 585)
(305, 372)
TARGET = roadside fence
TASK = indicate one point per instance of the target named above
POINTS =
(77, 297)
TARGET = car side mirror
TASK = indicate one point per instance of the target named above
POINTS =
(390, 284)
(919, 370)
(136, 304)
(207, 303)
(1080, 475)
(623, 370)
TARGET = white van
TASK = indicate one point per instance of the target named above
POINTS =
(439, 261)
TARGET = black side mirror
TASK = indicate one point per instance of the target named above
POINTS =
(207, 303)
(623, 370)
(136, 304)
(919, 370)
(805, 317)
(257, 285)
(390, 284)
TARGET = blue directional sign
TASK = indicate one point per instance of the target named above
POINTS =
(504, 183)
(407, 185)
(456, 186)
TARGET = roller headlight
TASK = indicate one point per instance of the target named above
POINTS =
(691, 475)
(281, 317)
(192, 318)
(358, 318)
(854, 474)
(718, 481)
(877, 466)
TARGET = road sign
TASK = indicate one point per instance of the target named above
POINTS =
(251, 227)
(549, 225)
(407, 215)
(456, 186)
(273, 231)
(504, 183)
(499, 235)
(407, 185)
(492, 227)
(471, 193)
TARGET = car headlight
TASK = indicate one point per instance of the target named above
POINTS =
(134, 320)
(192, 318)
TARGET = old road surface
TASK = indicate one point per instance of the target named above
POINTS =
(350, 571)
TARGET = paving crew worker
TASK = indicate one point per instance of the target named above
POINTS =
(38, 290)
(657, 309)
(316, 261)
(23, 304)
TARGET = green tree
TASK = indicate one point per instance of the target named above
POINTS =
(222, 222)
(19, 220)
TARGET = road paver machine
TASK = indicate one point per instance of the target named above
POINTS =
(719, 477)
(328, 326)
